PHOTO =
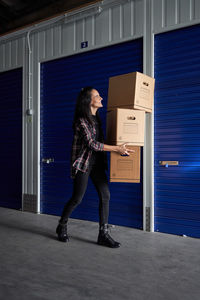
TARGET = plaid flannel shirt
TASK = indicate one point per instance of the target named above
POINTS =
(83, 144)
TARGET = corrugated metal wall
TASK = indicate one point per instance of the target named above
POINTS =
(112, 25)
(11, 138)
(61, 81)
(11, 53)
(116, 24)
(171, 14)
(177, 131)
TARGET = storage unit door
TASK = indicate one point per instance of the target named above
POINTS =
(177, 132)
(61, 81)
(11, 138)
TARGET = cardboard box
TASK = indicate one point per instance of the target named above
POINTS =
(125, 126)
(132, 90)
(125, 168)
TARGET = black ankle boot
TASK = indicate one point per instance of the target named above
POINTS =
(105, 239)
(61, 231)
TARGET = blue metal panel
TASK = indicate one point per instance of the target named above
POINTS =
(61, 80)
(177, 131)
(11, 138)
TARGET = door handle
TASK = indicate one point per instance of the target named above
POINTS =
(48, 160)
(167, 163)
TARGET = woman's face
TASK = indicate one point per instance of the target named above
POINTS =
(96, 99)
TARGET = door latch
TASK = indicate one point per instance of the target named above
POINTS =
(48, 160)
(167, 163)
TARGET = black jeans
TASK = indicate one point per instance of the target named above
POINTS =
(99, 179)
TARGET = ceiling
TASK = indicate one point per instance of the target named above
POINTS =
(17, 13)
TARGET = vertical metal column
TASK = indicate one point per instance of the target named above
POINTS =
(148, 167)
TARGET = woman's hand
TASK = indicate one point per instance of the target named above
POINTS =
(123, 150)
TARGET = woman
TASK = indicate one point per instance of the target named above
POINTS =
(88, 159)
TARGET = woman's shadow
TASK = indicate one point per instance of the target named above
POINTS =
(41, 231)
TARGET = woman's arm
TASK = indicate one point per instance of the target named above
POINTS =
(97, 146)
(85, 132)
(121, 149)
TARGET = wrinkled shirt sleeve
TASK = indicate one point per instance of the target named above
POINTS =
(88, 139)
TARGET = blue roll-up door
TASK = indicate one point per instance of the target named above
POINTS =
(11, 138)
(61, 80)
(177, 131)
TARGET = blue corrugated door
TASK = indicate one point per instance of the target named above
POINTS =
(61, 80)
(177, 131)
(11, 138)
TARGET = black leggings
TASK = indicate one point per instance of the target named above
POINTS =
(99, 179)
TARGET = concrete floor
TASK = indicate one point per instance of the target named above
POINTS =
(34, 265)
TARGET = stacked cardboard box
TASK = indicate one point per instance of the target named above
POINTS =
(129, 97)
(125, 168)
(125, 125)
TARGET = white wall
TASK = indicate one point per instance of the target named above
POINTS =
(172, 14)
(58, 38)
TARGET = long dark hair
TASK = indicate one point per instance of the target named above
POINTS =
(83, 109)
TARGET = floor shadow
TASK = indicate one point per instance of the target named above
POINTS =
(37, 231)
(82, 239)
(42, 232)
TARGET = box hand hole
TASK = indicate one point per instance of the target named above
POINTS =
(131, 118)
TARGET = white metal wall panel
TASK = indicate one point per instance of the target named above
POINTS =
(49, 42)
(168, 14)
(14, 53)
(57, 40)
(196, 9)
(118, 23)
(102, 28)
(42, 44)
(68, 38)
(89, 30)
(8, 55)
(80, 32)
(116, 20)
(171, 13)
(20, 51)
(2, 56)
(11, 54)
(185, 11)
(138, 17)
(157, 14)
(127, 19)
